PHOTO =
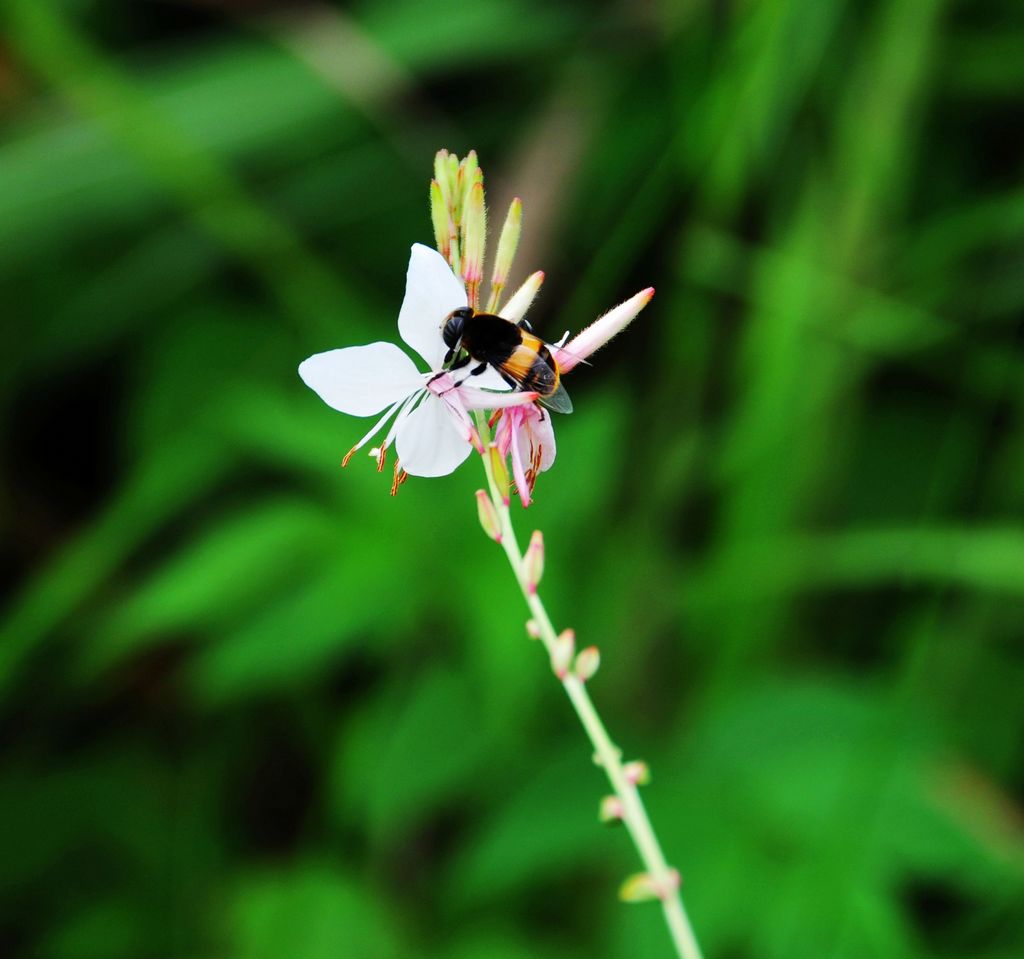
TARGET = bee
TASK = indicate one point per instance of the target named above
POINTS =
(523, 360)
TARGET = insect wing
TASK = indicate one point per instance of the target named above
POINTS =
(558, 401)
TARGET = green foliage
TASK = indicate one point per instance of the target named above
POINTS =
(252, 706)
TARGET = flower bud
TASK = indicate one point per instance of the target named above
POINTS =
(602, 330)
(469, 175)
(532, 629)
(637, 772)
(587, 663)
(488, 515)
(507, 244)
(451, 185)
(520, 302)
(454, 255)
(442, 176)
(439, 218)
(640, 887)
(533, 561)
(611, 809)
(473, 235)
(561, 654)
(499, 471)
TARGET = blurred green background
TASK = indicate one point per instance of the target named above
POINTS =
(250, 706)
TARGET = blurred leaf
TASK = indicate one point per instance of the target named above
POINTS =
(245, 557)
(983, 559)
(160, 489)
(474, 35)
(108, 930)
(432, 747)
(502, 945)
(547, 828)
(280, 642)
(309, 912)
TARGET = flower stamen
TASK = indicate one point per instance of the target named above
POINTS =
(400, 476)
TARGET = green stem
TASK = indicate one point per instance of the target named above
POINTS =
(607, 754)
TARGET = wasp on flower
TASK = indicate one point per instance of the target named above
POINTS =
(482, 357)
(511, 372)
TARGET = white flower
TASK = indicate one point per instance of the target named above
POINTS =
(432, 430)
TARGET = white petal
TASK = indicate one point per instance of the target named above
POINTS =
(432, 291)
(428, 441)
(361, 380)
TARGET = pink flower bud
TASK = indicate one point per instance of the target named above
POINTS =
(474, 232)
(532, 629)
(637, 772)
(533, 562)
(561, 654)
(611, 809)
(587, 663)
(488, 515)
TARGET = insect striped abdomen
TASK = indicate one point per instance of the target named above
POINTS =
(533, 366)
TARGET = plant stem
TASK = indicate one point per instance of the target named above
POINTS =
(607, 754)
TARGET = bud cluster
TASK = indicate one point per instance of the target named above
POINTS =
(458, 213)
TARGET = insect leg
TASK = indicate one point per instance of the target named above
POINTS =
(476, 371)
(457, 365)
